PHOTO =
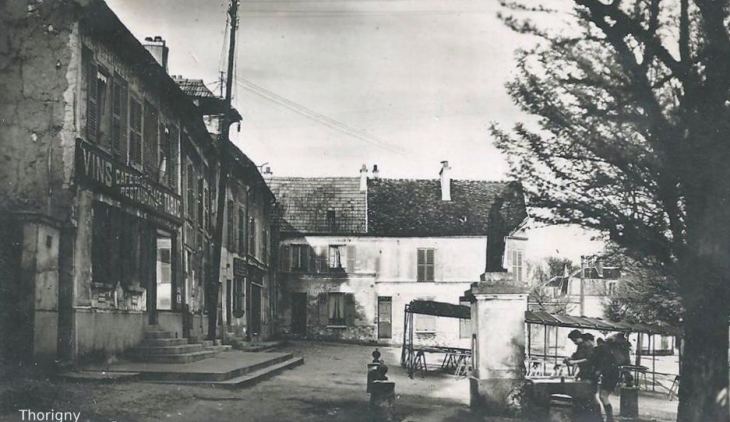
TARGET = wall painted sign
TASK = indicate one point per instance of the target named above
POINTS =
(96, 168)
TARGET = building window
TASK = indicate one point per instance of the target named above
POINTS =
(517, 265)
(425, 323)
(191, 192)
(300, 258)
(241, 229)
(265, 247)
(252, 237)
(135, 132)
(611, 288)
(331, 221)
(164, 271)
(238, 296)
(425, 264)
(231, 223)
(335, 256)
(120, 104)
(336, 308)
(151, 131)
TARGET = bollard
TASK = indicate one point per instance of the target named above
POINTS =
(561, 408)
(373, 374)
(629, 402)
(382, 401)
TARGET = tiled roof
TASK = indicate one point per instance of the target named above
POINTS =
(303, 203)
(399, 207)
(194, 87)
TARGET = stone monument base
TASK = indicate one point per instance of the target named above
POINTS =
(498, 397)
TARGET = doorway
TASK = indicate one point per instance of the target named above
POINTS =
(385, 317)
(255, 328)
(299, 313)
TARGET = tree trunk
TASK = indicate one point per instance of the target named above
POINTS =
(703, 389)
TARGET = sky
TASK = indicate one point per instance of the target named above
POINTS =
(325, 86)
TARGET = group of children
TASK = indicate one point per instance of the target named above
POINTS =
(598, 361)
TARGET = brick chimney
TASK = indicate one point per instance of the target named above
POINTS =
(364, 178)
(445, 181)
(376, 172)
(156, 46)
(268, 174)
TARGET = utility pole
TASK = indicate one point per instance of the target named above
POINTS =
(223, 159)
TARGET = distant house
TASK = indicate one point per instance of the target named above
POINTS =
(355, 251)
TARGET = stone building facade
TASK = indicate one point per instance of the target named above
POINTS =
(108, 187)
(355, 251)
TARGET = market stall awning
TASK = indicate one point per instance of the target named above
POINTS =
(440, 309)
(586, 323)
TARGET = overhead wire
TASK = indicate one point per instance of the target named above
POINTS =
(316, 116)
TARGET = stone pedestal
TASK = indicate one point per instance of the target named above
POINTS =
(498, 334)
(382, 401)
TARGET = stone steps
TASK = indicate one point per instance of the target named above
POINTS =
(217, 377)
(160, 346)
(179, 358)
(261, 374)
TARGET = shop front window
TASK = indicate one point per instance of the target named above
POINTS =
(164, 271)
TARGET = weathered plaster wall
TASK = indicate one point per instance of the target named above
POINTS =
(100, 334)
(38, 73)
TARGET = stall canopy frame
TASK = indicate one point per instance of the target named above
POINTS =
(426, 307)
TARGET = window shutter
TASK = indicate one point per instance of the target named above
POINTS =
(313, 258)
(119, 115)
(92, 118)
(231, 227)
(285, 258)
(351, 259)
(350, 309)
(135, 132)
(323, 315)
(421, 265)
(172, 161)
(430, 264)
(306, 260)
(150, 138)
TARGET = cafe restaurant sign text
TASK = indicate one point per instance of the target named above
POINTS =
(98, 169)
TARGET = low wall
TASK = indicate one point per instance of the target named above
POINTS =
(102, 333)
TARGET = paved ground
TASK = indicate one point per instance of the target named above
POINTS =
(330, 386)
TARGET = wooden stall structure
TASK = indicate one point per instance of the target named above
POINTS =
(413, 356)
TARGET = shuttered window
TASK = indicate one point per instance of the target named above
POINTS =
(517, 265)
(241, 229)
(252, 237)
(285, 258)
(426, 264)
(173, 158)
(120, 100)
(190, 182)
(150, 146)
(300, 258)
(135, 132)
(231, 222)
(92, 121)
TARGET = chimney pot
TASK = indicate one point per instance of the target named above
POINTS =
(445, 174)
(157, 48)
(364, 178)
(376, 172)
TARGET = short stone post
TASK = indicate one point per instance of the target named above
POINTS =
(498, 306)
(382, 391)
(382, 401)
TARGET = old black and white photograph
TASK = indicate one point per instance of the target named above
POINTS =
(365, 210)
